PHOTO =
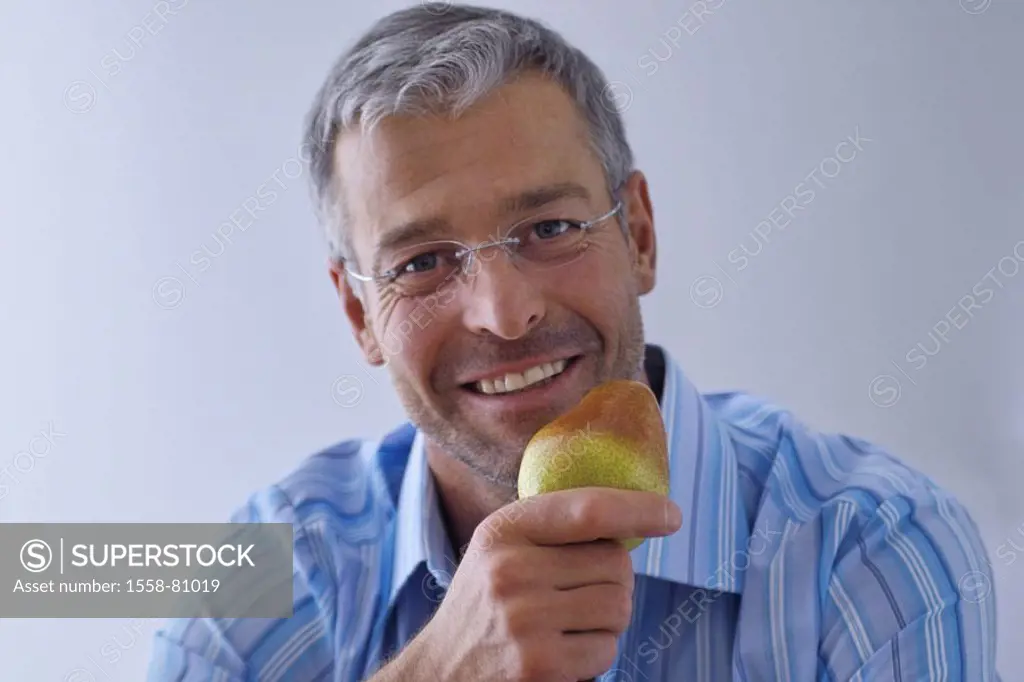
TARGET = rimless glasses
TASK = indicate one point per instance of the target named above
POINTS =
(543, 241)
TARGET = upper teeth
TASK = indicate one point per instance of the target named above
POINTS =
(516, 381)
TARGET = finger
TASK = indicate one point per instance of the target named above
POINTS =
(588, 655)
(587, 514)
(604, 607)
(590, 563)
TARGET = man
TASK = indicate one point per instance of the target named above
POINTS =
(490, 241)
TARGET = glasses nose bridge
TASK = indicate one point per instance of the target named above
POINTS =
(507, 244)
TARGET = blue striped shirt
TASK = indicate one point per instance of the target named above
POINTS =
(802, 556)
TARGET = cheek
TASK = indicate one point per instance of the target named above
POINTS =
(414, 334)
(595, 286)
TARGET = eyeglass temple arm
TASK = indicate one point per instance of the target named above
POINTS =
(606, 216)
(352, 273)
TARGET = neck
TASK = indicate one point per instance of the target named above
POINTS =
(465, 497)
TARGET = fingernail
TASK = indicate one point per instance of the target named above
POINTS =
(673, 515)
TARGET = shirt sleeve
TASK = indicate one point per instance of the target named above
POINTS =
(911, 597)
(237, 649)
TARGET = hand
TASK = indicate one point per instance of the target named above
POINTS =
(545, 589)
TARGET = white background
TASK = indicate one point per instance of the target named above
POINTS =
(174, 405)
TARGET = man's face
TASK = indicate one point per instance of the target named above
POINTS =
(444, 350)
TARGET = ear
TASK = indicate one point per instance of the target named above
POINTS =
(640, 221)
(354, 308)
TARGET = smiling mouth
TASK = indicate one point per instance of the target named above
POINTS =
(517, 382)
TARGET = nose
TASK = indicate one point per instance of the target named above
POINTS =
(501, 299)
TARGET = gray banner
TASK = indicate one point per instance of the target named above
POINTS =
(145, 570)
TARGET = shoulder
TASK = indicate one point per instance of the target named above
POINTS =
(338, 485)
(338, 502)
(896, 564)
(836, 496)
(804, 473)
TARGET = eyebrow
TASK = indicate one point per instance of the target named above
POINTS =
(433, 228)
(542, 196)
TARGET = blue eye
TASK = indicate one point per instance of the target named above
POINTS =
(421, 263)
(549, 229)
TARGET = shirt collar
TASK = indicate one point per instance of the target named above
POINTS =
(707, 551)
(710, 549)
(420, 535)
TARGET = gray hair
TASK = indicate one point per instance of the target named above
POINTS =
(442, 58)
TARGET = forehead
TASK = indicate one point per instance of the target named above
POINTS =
(524, 135)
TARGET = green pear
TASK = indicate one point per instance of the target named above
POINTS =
(614, 438)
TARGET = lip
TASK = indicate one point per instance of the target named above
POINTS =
(515, 367)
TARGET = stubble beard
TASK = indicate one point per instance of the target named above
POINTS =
(497, 460)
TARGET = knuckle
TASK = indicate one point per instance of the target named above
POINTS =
(622, 606)
(588, 512)
(503, 577)
(613, 557)
(621, 560)
(518, 623)
(533, 666)
(607, 652)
